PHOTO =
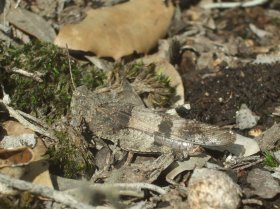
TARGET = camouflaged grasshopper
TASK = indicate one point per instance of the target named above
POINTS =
(115, 116)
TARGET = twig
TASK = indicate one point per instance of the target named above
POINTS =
(248, 165)
(43, 191)
(14, 113)
(35, 76)
(6, 98)
(70, 67)
(140, 186)
(6, 11)
(226, 5)
(99, 63)
(235, 162)
(17, 4)
(36, 120)
(252, 201)
(126, 186)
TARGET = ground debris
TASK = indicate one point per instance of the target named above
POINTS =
(262, 184)
(269, 138)
(215, 60)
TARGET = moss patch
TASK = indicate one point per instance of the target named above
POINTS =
(69, 160)
(270, 160)
(50, 98)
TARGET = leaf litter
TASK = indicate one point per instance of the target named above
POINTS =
(223, 59)
(120, 29)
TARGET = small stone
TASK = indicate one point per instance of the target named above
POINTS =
(245, 118)
(263, 184)
(212, 189)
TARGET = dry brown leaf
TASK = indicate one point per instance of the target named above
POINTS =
(43, 178)
(118, 31)
(24, 163)
(164, 67)
(15, 157)
(15, 128)
(38, 171)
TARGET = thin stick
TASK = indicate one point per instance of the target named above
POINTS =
(33, 119)
(6, 97)
(13, 113)
(17, 4)
(225, 5)
(141, 186)
(252, 201)
(35, 76)
(70, 67)
(248, 165)
(43, 191)
(126, 186)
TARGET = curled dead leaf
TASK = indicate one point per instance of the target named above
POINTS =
(118, 31)
(23, 162)
(165, 68)
(15, 157)
(15, 128)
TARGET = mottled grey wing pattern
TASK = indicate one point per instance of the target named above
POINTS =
(107, 118)
(177, 128)
(202, 133)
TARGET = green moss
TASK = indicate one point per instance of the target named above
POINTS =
(275, 21)
(50, 98)
(270, 160)
(68, 160)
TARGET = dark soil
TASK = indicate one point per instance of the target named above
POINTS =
(215, 99)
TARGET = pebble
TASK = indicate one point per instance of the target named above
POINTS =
(212, 189)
